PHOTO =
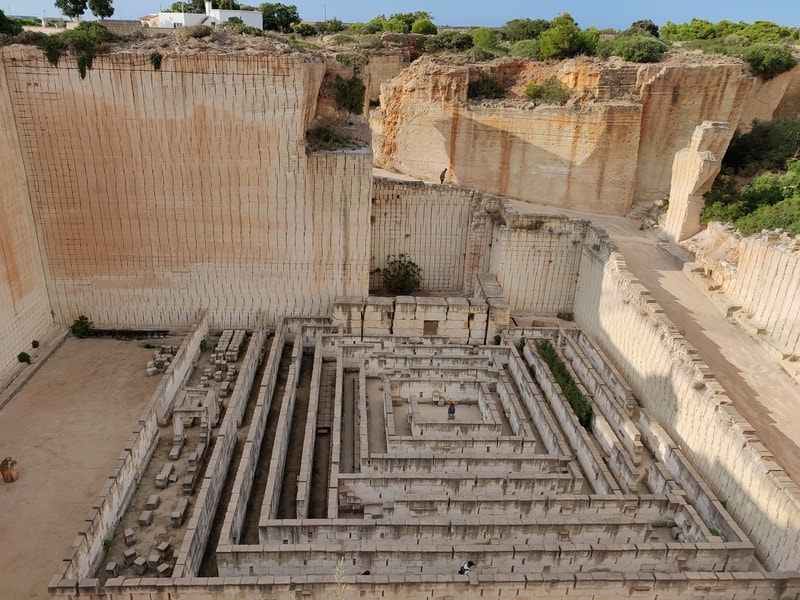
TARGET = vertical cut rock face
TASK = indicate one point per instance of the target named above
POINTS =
(156, 194)
(611, 145)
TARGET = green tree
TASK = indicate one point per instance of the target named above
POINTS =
(72, 8)
(181, 7)
(424, 26)
(9, 26)
(279, 17)
(562, 40)
(523, 29)
(486, 38)
(645, 26)
(101, 8)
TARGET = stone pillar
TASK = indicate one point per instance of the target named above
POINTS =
(693, 171)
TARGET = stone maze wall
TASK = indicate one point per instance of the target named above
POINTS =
(512, 482)
(678, 389)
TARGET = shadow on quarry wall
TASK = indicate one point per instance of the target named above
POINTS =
(680, 391)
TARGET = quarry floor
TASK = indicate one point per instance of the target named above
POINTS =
(67, 426)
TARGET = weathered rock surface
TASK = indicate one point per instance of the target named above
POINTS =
(611, 145)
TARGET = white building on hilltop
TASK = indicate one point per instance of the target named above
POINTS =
(212, 16)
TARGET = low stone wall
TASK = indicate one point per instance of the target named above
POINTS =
(277, 464)
(754, 281)
(179, 370)
(692, 586)
(237, 507)
(415, 316)
(310, 437)
(680, 393)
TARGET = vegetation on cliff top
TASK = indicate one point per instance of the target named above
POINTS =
(759, 185)
(84, 41)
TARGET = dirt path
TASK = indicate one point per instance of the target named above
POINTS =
(65, 428)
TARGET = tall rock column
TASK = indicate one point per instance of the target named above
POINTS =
(693, 171)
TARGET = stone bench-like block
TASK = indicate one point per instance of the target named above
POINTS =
(130, 537)
(175, 452)
(130, 556)
(152, 502)
(146, 518)
(164, 550)
(111, 570)
(140, 565)
(163, 478)
(153, 560)
(177, 517)
(164, 570)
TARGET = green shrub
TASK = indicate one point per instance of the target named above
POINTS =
(770, 201)
(305, 29)
(9, 26)
(550, 91)
(84, 41)
(401, 275)
(194, 31)
(476, 54)
(350, 93)
(155, 60)
(639, 48)
(525, 49)
(324, 138)
(579, 404)
(424, 26)
(486, 38)
(485, 87)
(81, 327)
(768, 146)
(448, 40)
(35, 344)
(769, 60)
(523, 29)
(24, 357)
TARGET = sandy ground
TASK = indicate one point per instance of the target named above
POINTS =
(66, 429)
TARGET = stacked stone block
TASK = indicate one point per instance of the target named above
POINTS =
(378, 315)
(405, 317)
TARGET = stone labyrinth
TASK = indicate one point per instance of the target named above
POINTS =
(341, 459)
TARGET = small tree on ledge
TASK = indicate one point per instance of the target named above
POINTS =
(401, 274)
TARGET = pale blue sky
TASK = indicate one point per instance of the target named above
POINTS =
(616, 14)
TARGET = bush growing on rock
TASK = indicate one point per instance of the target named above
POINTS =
(485, 87)
(525, 49)
(769, 60)
(550, 91)
(401, 275)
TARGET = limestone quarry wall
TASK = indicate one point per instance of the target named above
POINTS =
(757, 279)
(444, 229)
(774, 98)
(610, 146)
(675, 99)
(615, 311)
(24, 307)
(536, 261)
(158, 193)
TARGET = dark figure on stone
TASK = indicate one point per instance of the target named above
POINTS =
(441, 176)
(466, 567)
